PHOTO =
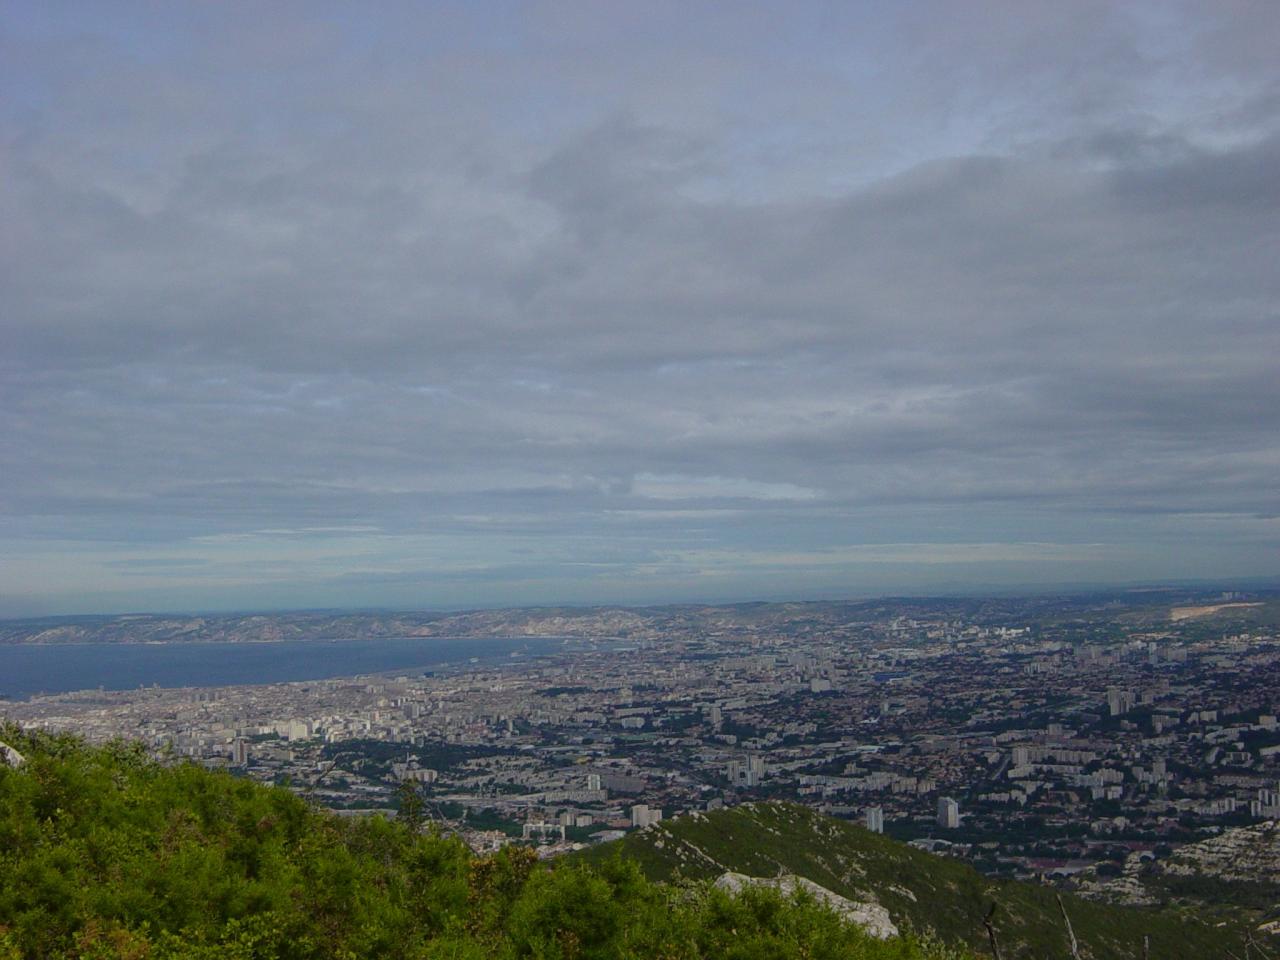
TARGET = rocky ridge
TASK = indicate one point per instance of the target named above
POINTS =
(872, 917)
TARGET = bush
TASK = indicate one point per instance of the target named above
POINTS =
(107, 855)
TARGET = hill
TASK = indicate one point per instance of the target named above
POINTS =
(1185, 613)
(108, 855)
(1236, 872)
(920, 890)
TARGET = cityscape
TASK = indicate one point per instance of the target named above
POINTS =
(1056, 739)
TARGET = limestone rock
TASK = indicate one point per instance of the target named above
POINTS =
(872, 917)
(10, 757)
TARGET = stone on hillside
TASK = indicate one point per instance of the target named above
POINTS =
(872, 917)
(10, 757)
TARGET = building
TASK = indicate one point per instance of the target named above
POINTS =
(642, 816)
(875, 819)
(543, 831)
(745, 773)
(622, 783)
(294, 729)
(406, 772)
(239, 752)
(1267, 804)
(1119, 702)
(948, 813)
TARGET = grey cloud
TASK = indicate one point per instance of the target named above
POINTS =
(1030, 292)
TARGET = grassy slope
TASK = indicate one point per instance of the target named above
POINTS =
(919, 890)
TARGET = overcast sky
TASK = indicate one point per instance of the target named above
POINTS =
(464, 304)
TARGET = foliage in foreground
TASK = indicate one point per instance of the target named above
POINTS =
(107, 855)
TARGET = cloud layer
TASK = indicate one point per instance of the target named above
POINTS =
(483, 305)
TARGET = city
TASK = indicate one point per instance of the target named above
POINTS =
(1033, 740)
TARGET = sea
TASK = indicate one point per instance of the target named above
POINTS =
(27, 670)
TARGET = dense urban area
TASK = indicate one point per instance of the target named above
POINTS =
(1034, 737)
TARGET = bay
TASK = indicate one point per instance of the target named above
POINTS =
(30, 669)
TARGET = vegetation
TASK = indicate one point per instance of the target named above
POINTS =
(108, 855)
(374, 758)
(921, 891)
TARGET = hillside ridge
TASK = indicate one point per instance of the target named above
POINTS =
(921, 891)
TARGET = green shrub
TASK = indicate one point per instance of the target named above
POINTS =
(107, 855)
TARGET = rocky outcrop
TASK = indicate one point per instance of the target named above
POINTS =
(1247, 854)
(10, 757)
(872, 917)
(1241, 855)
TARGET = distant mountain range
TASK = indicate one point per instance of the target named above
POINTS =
(638, 623)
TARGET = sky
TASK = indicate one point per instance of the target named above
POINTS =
(471, 304)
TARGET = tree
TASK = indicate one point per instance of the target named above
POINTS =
(412, 808)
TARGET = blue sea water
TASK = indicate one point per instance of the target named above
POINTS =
(28, 669)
